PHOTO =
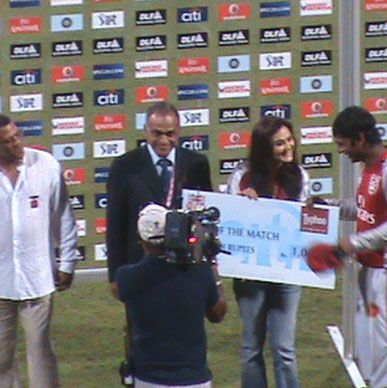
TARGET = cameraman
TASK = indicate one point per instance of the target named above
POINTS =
(166, 305)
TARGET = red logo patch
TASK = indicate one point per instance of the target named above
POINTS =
(376, 105)
(62, 74)
(234, 11)
(152, 94)
(26, 25)
(276, 86)
(314, 220)
(234, 140)
(312, 109)
(74, 176)
(110, 122)
(100, 225)
(200, 65)
(376, 5)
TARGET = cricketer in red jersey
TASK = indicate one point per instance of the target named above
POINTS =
(356, 135)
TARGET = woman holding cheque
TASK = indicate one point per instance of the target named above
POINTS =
(271, 171)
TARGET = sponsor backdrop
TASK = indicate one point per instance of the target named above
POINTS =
(78, 75)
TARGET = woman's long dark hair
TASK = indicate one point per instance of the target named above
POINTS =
(263, 165)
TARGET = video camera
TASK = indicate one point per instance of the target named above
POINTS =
(192, 236)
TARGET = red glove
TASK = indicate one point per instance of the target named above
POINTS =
(322, 257)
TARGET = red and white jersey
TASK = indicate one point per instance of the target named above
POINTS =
(372, 207)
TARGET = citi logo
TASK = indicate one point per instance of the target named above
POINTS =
(109, 97)
(192, 15)
(195, 143)
(281, 111)
(26, 77)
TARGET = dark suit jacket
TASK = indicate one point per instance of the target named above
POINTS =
(133, 182)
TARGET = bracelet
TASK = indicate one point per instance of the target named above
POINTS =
(218, 283)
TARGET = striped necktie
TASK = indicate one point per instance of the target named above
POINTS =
(165, 175)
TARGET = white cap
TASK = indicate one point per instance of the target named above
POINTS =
(151, 223)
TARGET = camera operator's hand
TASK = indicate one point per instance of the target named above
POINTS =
(114, 289)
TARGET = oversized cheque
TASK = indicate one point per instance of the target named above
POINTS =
(268, 239)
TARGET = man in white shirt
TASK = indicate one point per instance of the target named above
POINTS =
(35, 214)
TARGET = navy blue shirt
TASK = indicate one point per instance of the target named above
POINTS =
(167, 304)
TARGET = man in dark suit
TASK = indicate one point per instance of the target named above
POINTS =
(156, 172)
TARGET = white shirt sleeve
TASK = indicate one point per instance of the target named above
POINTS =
(305, 191)
(234, 180)
(63, 224)
(373, 239)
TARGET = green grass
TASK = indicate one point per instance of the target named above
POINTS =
(88, 334)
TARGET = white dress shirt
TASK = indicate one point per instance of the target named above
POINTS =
(34, 214)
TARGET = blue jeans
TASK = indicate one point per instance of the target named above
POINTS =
(273, 307)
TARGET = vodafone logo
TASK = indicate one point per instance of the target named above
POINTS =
(312, 109)
(68, 174)
(68, 71)
(317, 107)
(74, 73)
(381, 103)
(234, 140)
(152, 92)
(234, 9)
(376, 105)
(74, 176)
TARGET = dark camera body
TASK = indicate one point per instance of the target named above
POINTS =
(192, 237)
